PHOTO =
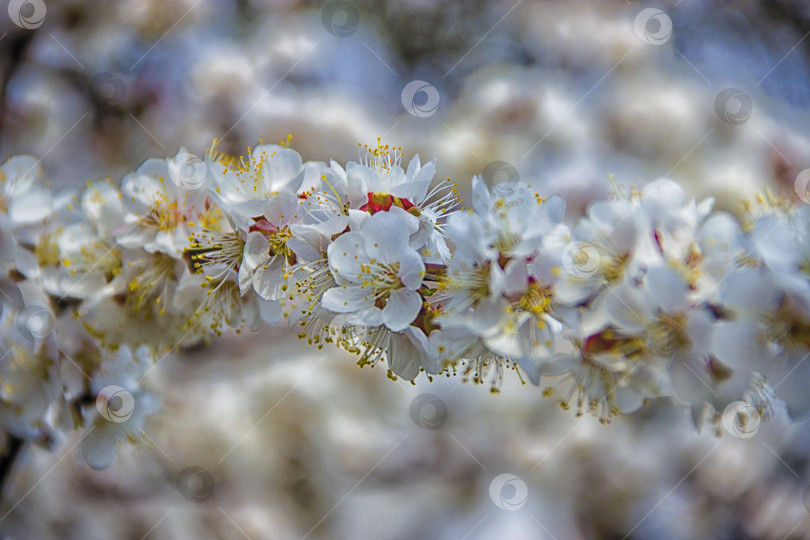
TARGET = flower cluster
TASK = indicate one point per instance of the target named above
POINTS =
(648, 295)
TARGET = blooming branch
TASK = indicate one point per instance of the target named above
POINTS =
(648, 295)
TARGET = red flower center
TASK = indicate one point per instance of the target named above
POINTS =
(379, 201)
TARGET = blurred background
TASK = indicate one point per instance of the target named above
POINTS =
(262, 437)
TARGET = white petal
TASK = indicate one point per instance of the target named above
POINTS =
(33, 205)
(792, 387)
(270, 310)
(245, 277)
(488, 316)
(690, 378)
(146, 185)
(482, 200)
(736, 344)
(250, 312)
(415, 189)
(552, 211)
(101, 203)
(385, 235)
(357, 218)
(257, 249)
(282, 209)
(411, 269)
(280, 169)
(410, 221)
(531, 369)
(750, 290)
(407, 354)
(98, 451)
(517, 276)
(303, 251)
(20, 173)
(269, 278)
(346, 299)
(629, 309)
(361, 181)
(402, 308)
(667, 289)
(345, 255)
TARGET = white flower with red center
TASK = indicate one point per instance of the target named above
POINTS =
(620, 238)
(379, 183)
(664, 315)
(605, 374)
(268, 255)
(674, 218)
(377, 273)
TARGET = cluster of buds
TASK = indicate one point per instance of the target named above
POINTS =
(647, 295)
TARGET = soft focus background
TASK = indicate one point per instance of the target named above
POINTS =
(262, 437)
